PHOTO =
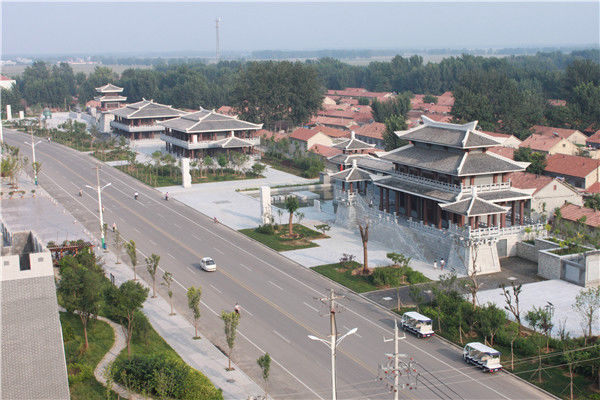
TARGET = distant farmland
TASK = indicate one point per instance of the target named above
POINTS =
(15, 70)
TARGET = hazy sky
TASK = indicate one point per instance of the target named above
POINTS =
(94, 27)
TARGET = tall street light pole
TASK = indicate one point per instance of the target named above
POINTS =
(33, 144)
(333, 341)
(100, 189)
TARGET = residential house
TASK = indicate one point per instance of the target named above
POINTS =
(7, 83)
(575, 213)
(338, 123)
(357, 93)
(331, 132)
(371, 133)
(572, 135)
(548, 193)
(594, 140)
(508, 152)
(506, 140)
(304, 138)
(325, 153)
(581, 172)
(550, 145)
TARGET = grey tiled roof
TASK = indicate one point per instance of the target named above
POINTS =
(208, 121)
(109, 87)
(353, 144)
(451, 135)
(473, 207)
(346, 158)
(416, 189)
(446, 162)
(485, 163)
(501, 195)
(147, 109)
(353, 174)
(375, 164)
(33, 359)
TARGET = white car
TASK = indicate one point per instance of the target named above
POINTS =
(208, 264)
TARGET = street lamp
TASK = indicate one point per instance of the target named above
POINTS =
(332, 343)
(99, 190)
(33, 144)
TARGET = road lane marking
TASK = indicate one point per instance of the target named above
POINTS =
(218, 251)
(246, 311)
(190, 268)
(281, 336)
(136, 230)
(197, 238)
(152, 241)
(276, 285)
(212, 286)
(293, 278)
(309, 306)
(247, 267)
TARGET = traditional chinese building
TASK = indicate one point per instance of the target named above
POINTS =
(207, 132)
(110, 97)
(140, 120)
(444, 185)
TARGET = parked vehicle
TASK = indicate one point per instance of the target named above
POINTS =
(483, 356)
(208, 264)
(417, 324)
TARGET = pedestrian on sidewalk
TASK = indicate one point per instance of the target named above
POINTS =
(114, 227)
(442, 264)
(435, 264)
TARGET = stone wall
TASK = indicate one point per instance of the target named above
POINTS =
(549, 265)
(527, 251)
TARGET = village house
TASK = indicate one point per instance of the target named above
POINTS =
(594, 140)
(303, 139)
(548, 193)
(572, 135)
(357, 93)
(508, 152)
(575, 213)
(208, 133)
(443, 186)
(7, 83)
(506, 140)
(338, 123)
(581, 172)
(550, 145)
(141, 120)
(371, 133)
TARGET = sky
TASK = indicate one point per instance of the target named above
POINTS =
(136, 28)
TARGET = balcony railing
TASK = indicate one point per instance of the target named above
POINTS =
(449, 187)
(203, 144)
(139, 128)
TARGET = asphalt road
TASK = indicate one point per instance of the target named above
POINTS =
(279, 298)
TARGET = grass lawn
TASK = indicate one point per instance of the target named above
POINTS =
(282, 166)
(112, 155)
(82, 383)
(343, 276)
(278, 242)
(149, 343)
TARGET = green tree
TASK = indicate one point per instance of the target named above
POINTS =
(323, 228)
(152, 267)
(364, 237)
(391, 141)
(193, 296)
(132, 253)
(208, 162)
(80, 288)
(167, 281)
(291, 205)
(537, 159)
(222, 161)
(126, 301)
(490, 321)
(231, 321)
(513, 301)
(430, 99)
(399, 106)
(264, 362)
(587, 304)
(593, 201)
(258, 168)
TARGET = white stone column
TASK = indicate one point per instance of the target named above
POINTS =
(265, 204)
(8, 112)
(21, 115)
(185, 172)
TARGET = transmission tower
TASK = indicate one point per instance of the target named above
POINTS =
(218, 54)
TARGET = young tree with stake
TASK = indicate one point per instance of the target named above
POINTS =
(152, 267)
(132, 253)
(512, 301)
(167, 280)
(193, 295)
(264, 362)
(231, 321)
(118, 242)
(587, 304)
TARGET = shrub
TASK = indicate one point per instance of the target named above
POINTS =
(83, 372)
(266, 229)
(386, 276)
(153, 374)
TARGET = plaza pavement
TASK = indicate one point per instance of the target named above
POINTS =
(52, 222)
(239, 210)
(560, 293)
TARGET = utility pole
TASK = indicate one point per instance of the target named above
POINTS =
(218, 55)
(33, 144)
(100, 189)
(392, 368)
(333, 341)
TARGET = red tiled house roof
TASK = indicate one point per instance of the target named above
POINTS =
(325, 151)
(573, 213)
(303, 134)
(507, 152)
(374, 130)
(550, 131)
(540, 142)
(595, 138)
(571, 165)
(526, 180)
(332, 132)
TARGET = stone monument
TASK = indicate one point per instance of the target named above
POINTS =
(185, 172)
(265, 205)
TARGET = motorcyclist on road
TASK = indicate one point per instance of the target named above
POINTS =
(237, 308)
(80, 193)
(135, 195)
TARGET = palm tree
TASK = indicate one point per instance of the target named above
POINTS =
(291, 205)
(152, 267)
(364, 236)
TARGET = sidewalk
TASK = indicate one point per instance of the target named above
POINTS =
(47, 218)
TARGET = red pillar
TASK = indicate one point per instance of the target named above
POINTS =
(512, 216)
(380, 198)
(521, 211)
(350, 187)
(439, 217)
(408, 203)
(472, 222)
(387, 200)
(424, 208)
(343, 186)
(397, 201)
(489, 220)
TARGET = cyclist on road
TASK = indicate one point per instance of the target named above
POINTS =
(135, 195)
(237, 308)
